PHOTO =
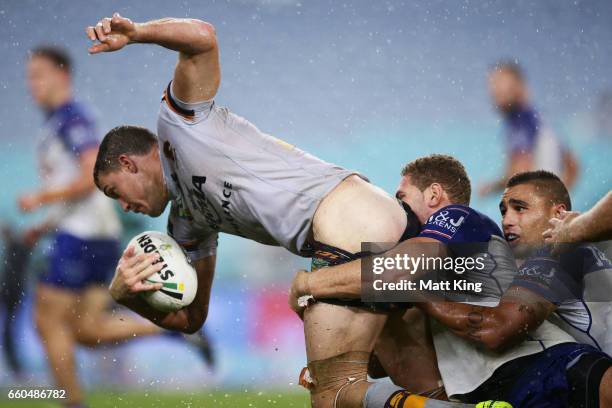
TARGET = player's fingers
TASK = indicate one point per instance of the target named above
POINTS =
(129, 252)
(144, 287)
(132, 262)
(99, 30)
(547, 235)
(98, 48)
(568, 214)
(91, 33)
(106, 25)
(148, 271)
(554, 222)
(147, 261)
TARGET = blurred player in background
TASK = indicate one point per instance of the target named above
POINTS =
(71, 296)
(530, 144)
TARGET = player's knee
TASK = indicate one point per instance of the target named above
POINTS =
(340, 381)
(86, 335)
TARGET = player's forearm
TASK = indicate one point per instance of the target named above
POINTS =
(479, 324)
(341, 281)
(187, 36)
(176, 321)
(344, 281)
(595, 224)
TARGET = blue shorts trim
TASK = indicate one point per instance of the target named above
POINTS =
(75, 263)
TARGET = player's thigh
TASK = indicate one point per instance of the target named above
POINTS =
(405, 351)
(53, 304)
(356, 212)
(331, 330)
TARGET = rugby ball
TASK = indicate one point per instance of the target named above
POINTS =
(178, 277)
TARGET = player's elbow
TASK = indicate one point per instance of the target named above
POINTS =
(205, 34)
(502, 337)
(499, 334)
(195, 321)
(497, 342)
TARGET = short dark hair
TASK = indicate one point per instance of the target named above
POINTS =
(132, 140)
(442, 169)
(58, 56)
(511, 66)
(546, 184)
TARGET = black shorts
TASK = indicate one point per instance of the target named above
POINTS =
(564, 375)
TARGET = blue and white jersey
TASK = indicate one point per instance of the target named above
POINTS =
(579, 282)
(468, 232)
(525, 133)
(463, 364)
(67, 132)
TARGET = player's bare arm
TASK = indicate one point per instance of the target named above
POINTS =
(593, 225)
(197, 74)
(127, 283)
(344, 281)
(82, 186)
(519, 312)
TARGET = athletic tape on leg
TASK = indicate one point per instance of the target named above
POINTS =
(335, 372)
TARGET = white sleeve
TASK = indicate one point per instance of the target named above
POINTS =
(197, 244)
(189, 113)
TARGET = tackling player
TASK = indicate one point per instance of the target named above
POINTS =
(222, 174)
(71, 296)
(572, 290)
(439, 200)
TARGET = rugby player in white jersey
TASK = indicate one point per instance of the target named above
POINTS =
(224, 175)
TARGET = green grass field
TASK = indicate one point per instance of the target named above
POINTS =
(137, 399)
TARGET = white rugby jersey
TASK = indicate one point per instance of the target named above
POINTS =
(579, 282)
(225, 175)
(463, 364)
(69, 131)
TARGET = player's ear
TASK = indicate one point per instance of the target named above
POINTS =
(436, 194)
(557, 210)
(126, 163)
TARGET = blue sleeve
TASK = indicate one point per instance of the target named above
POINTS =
(522, 132)
(447, 224)
(79, 135)
(594, 259)
(549, 278)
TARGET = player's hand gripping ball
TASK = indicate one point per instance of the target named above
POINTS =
(177, 276)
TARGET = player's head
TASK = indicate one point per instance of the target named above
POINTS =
(432, 182)
(128, 169)
(49, 76)
(529, 201)
(507, 86)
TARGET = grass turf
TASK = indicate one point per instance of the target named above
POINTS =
(137, 399)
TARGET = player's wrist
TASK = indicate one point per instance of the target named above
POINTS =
(138, 34)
